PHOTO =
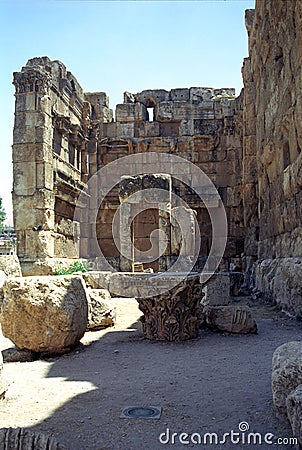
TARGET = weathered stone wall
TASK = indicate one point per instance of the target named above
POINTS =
(272, 158)
(49, 158)
(202, 125)
(62, 137)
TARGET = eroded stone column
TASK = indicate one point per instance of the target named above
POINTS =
(33, 196)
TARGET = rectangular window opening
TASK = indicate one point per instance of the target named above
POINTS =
(150, 114)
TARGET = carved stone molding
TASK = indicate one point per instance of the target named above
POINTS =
(32, 81)
(62, 124)
(111, 144)
(76, 135)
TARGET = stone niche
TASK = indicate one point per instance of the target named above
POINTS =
(137, 224)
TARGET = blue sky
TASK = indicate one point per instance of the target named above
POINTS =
(116, 46)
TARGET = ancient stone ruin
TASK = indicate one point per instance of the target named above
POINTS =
(75, 136)
(249, 148)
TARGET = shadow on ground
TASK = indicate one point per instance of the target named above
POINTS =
(210, 384)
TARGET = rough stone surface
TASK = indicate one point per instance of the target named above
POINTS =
(101, 313)
(280, 280)
(10, 265)
(231, 318)
(294, 412)
(286, 373)
(13, 438)
(217, 290)
(272, 142)
(97, 279)
(44, 314)
(3, 278)
(15, 354)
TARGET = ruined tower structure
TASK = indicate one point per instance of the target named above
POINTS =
(249, 146)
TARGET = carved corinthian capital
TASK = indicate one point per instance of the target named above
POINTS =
(32, 81)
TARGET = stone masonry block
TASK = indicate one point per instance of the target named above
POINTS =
(217, 290)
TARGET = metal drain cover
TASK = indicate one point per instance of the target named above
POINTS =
(141, 412)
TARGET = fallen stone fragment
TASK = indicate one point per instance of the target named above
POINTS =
(280, 280)
(15, 354)
(230, 318)
(286, 373)
(14, 438)
(44, 314)
(294, 412)
(101, 313)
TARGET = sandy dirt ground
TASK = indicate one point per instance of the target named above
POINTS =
(210, 384)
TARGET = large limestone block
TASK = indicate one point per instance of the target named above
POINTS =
(10, 265)
(44, 314)
(231, 318)
(101, 313)
(286, 372)
(294, 412)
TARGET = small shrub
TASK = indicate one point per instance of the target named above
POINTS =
(77, 266)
